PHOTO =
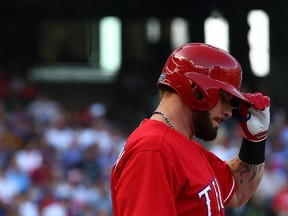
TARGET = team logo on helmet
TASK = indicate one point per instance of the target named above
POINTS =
(162, 77)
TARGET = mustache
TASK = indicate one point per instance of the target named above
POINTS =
(219, 119)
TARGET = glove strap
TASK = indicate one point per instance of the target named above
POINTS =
(252, 152)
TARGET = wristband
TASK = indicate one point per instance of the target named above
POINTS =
(252, 152)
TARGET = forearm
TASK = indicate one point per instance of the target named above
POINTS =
(248, 166)
(248, 169)
(247, 178)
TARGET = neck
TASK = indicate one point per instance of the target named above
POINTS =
(166, 119)
(172, 108)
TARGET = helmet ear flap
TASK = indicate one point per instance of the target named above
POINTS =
(201, 98)
(196, 92)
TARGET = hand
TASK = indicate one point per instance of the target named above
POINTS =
(255, 119)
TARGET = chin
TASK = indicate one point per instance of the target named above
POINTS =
(209, 135)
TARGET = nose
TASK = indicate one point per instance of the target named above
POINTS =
(226, 100)
(227, 110)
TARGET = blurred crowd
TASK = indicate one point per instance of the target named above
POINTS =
(54, 161)
(57, 162)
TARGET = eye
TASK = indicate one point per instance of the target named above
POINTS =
(223, 97)
(228, 99)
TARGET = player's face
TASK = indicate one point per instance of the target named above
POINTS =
(207, 123)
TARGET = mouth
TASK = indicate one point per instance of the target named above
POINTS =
(218, 121)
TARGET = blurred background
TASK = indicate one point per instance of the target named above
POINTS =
(76, 77)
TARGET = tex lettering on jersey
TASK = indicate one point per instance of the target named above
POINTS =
(211, 189)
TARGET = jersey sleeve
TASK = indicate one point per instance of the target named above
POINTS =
(224, 178)
(146, 186)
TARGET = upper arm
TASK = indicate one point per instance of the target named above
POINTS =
(145, 186)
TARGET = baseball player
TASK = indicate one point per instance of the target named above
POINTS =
(163, 170)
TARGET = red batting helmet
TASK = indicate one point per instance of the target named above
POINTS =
(200, 68)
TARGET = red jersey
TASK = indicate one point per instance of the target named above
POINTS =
(161, 172)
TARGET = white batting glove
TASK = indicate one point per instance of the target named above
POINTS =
(255, 120)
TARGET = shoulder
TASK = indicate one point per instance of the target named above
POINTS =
(148, 136)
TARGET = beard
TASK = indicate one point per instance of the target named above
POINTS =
(203, 127)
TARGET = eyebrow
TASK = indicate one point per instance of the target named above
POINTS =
(225, 96)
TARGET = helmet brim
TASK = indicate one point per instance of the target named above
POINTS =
(206, 84)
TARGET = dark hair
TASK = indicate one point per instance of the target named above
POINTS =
(165, 88)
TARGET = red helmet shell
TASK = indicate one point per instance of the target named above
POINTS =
(201, 67)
